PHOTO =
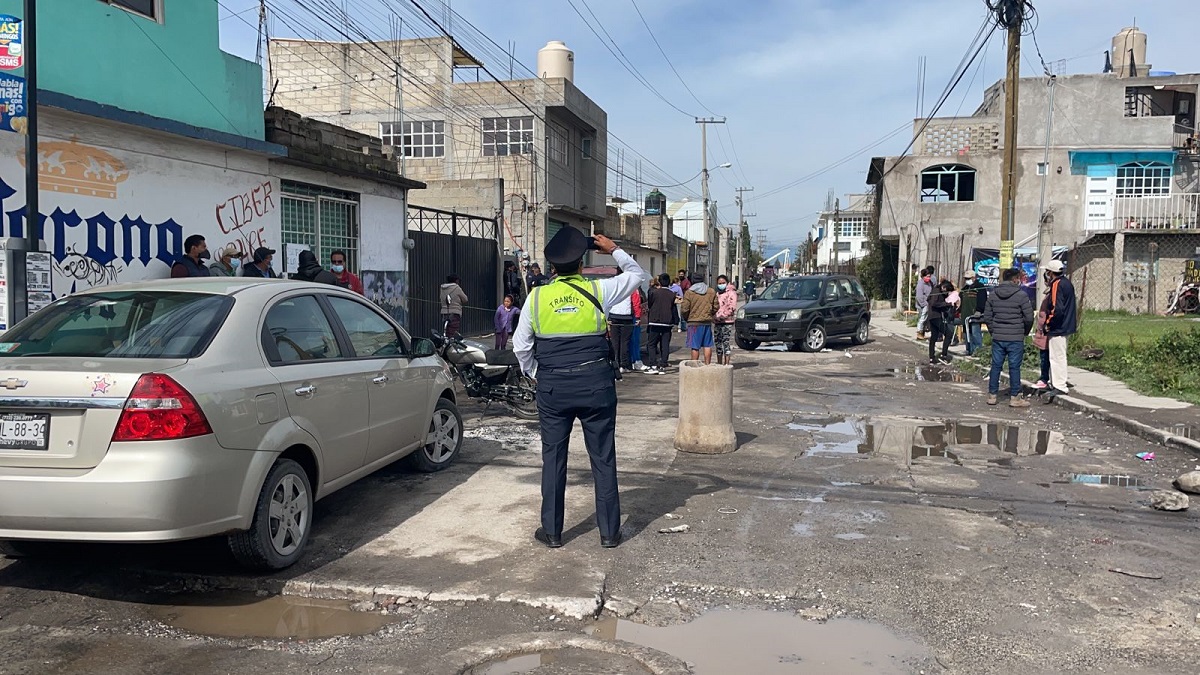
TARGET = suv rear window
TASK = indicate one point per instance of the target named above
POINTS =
(131, 325)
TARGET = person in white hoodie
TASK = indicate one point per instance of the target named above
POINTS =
(452, 300)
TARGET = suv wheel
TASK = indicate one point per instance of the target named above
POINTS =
(814, 338)
(863, 332)
(748, 345)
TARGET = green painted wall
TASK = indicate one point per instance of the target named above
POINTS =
(174, 69)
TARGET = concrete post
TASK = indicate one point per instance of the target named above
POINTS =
(705, 409)
(1118, 271)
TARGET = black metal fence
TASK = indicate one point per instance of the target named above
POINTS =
(452, 243)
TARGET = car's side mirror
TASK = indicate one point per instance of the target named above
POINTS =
(422, 347)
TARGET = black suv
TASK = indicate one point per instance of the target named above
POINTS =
(805, 312)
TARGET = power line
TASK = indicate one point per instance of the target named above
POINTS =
(668, 59)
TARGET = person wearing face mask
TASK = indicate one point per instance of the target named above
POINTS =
(345, 278)
(727, 300)
(228, 263)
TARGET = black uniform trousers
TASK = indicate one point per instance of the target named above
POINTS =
(586, 393)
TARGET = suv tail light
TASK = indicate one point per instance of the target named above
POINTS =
(159, 409)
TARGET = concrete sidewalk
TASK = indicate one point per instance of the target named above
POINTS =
(1157, 418)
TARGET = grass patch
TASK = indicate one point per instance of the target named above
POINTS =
(1157, 356)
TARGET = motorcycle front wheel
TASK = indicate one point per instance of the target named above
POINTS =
(524, 404)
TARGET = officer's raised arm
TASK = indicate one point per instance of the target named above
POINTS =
(622, 286)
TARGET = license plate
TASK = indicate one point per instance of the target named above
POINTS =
(21, 431)
(762, 326)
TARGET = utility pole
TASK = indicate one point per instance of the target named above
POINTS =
(704, 122)
(740, 273)
(837, 225)
(1045, 240)
(1010, 14)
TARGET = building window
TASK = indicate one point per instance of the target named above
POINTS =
(320, 218)
(420, 138)
(866, 246)
(559, 137)
(948, 183)
(151, 9)
(1041, 168)
(853, 227)
(585, 144)
(843, 246)
(1143, 179)
(507, 136)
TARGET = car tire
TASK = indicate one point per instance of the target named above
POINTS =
(748, 345)
(446, 432)
(274, 542)
(862, 334)
(815, 338)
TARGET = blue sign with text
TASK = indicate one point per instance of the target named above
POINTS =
(12, 103)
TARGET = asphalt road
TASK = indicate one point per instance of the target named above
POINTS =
(933, 532)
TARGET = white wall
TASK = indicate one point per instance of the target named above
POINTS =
(118, 201)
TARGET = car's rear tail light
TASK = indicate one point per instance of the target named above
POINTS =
(159, 409)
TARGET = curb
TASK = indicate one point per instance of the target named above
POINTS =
(1071, 403)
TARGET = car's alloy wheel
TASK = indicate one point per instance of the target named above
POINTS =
(282, 520)
(442, 442)
(814, 339)
(863, 332)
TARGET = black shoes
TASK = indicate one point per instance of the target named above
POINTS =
(550, 540)
(611, 542)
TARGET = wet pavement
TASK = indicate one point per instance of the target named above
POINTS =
(877, 517)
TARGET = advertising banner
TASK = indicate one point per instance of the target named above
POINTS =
(12, 44)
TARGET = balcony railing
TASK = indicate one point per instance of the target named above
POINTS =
(1186, 140)
(1168, 212)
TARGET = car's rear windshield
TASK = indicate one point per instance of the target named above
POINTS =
(793, 289)
(131, 324)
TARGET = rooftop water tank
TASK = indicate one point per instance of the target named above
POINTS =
(1129, 53)
(556, 60)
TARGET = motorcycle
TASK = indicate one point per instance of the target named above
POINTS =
(490, 374)
(1184, 299)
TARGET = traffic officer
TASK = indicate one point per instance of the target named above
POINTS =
(562, 342)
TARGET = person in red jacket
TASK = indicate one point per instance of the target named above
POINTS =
(345, 278)
(635, 339)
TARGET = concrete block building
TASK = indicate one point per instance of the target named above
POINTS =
(1121, 160)
(533, 150)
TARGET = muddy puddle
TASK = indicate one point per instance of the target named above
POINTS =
(773, 643)
(278, 617)
(927, 373)
(561, 662)
(918, 439)
(1191, 431)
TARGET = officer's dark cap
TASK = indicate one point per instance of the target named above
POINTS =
(566, 246)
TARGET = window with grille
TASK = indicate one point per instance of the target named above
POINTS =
(507, 136)
(323, 219)
(948, 183)
(418, 138)
(1143, 179)
(558, 143)
(853, 227)
(151, 9)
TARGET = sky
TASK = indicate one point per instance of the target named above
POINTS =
(803, 84)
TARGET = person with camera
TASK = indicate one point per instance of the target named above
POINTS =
(562, 342)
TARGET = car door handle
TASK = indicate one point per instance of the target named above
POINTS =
(306, 391)
(381, 379)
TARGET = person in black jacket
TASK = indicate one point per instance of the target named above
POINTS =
(1009, 316)
(973, 324)
(1060, 323)
(941, 321)
(660, 304)
(311, 270)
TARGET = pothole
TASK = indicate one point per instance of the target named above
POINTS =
(278, 617)
(569, 661)
(769, 643)
(929, 373)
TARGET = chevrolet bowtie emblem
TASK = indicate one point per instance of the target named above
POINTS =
(13, 383)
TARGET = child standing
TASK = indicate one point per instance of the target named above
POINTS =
(506, 321)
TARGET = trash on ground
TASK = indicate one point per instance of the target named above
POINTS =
(1136, 575)
(1166, 500)
(849, 355)
(674, 530)
(672, 516)
(1145, 456)
(727, 510)
(1026, 605)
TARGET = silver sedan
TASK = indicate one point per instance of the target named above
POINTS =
(178, 409)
